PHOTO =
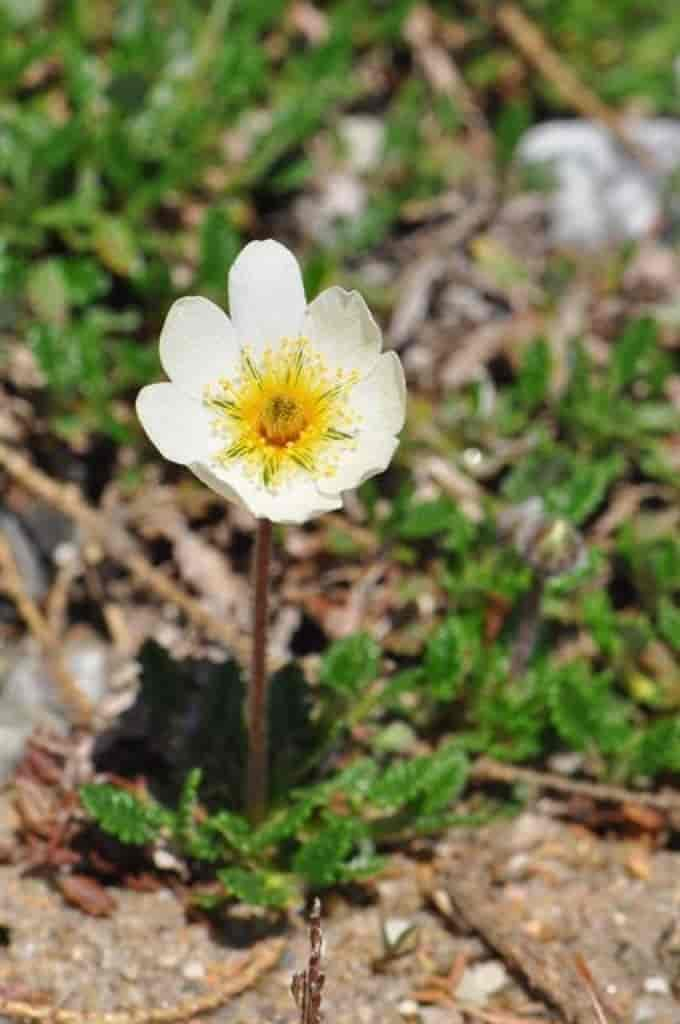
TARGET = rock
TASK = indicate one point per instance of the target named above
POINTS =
(657, 985)
(193, 970)
(481, 981)
(602, 194)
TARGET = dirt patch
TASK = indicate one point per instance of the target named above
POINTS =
(531, 892)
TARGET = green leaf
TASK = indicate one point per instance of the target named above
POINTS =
(658, 748)
(259, 888)
(426, 519)
(669, 622)
(444, 656)
(585, 712)
(187, 803)
(534, 376)
(572, 485)
(638, 340)
(353, 781)
(434, 780)
(321, 860)
(123, 815)
(350, 664)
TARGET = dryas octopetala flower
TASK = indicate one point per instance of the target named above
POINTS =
(283, 406)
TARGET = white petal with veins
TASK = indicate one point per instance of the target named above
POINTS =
(297, 502)
(342, 329)
(179, 426)
(266, 295)
(198, 344)
(372, 455)
(380, 398)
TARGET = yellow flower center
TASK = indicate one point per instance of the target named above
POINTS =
(287, 413)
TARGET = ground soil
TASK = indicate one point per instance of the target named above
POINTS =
(529, 895)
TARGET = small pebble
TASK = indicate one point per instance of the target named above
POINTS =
(193, 970)
(399, 934)
(656, 985)
(409, 1010)
(481, 981)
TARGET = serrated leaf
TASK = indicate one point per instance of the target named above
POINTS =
(259, 888)
(434, 780)
(585, 712)
(321, 860)
(354, 781)
(639, 338)
(350, 664)
(658, 748)
(122, 814)
(443, 663)
(219, 836)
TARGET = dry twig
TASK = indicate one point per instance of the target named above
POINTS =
(120, 545)
(589, 982)
(71, 694)
(531, 42)
(496, 771)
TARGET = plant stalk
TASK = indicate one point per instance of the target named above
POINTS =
(257, 781)
(529, 624)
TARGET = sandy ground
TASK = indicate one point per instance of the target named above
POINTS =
(537, 890)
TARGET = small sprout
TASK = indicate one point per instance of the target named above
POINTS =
(307, 986)
(399, 936)
(551, 547)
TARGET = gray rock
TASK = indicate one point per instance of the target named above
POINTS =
(601, 193)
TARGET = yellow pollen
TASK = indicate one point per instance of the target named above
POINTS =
(285, 414)
(282, 420)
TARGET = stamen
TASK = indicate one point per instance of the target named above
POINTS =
(286, 414)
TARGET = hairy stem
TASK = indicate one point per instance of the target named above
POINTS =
(258, 725)
(529, 623)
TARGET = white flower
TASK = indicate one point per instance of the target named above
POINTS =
(283, 406)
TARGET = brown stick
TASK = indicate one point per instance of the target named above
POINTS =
(120, 545)
(473, 900)
(496, 771)
(11, 582)
(258, 718)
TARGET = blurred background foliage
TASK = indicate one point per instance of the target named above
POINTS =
(141, 143)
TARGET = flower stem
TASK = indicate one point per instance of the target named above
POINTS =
(258, 725)
(529, 624)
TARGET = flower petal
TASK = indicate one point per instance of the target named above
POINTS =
(372, 455)
(297, 502)
(266, 295)
(339, 324)
(198, 344)
(380, 398)
(179, 426)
